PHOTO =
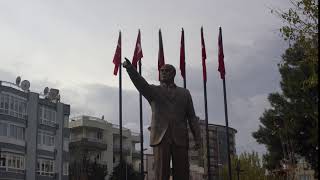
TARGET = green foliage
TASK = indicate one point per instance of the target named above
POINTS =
(249, 166)
(301, 26)
(290, 127)
(127, 171)
(87, 170)
(81, 167)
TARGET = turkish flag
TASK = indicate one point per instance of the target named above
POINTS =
(204, 57)
(161, 61)
(182, 56)
(221, 68)
(117, 56)
(137, 51)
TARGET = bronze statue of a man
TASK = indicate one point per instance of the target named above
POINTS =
(172, 109)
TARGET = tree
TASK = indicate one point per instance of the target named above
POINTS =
(87, 170)
(249, 167)
(128, 174)
(290, 127)
(301, 26)
(82, 167)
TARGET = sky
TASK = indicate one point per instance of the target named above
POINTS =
(70, 45)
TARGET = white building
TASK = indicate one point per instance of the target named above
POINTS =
(102, 140)
(34, 133)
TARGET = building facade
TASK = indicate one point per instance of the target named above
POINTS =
(149, 167)
(34, 135)
(303, 171)
(101, 140)
(197, 160)
(217, 149)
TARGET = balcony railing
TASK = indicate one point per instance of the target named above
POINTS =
(75, 139)
(136, 153)
(125, 149)
(135, 134)
(12, 85)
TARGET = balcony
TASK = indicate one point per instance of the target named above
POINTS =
(90, 143)
(136, 154)
(125, 149)
(135, 137)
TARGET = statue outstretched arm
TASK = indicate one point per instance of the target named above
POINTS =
(139, 82)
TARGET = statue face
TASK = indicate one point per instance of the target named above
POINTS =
(167, 73)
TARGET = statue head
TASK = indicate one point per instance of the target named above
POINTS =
(167, 73)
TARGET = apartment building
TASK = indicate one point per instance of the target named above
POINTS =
(217, 149)
(197, 160)
(101, 141)
(34, 134)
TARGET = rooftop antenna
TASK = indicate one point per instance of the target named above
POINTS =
(18, 80)
(46, 91)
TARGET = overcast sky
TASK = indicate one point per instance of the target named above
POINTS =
(70, 45)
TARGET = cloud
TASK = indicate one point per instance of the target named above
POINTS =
(69, 45)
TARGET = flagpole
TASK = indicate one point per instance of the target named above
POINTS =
(207, 128)
(227, 127)
(120, 117)
(204, 56)
(221, 69)
(141, 130)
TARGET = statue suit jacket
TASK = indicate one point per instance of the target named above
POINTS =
(171, 111)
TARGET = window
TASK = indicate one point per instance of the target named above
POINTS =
(12, 131)
(13, 105)
(66, 168)
(304, 177)
(3, 129)
(3, 160)
(12, 161)
(45, 167)
(66, 121)
(99, 135)
(66, 144)
(16, 132)
(47, 116)
(45, 138)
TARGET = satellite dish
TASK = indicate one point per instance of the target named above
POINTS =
(18, 80)
(53, 94)
(46, 91)
(25, 85)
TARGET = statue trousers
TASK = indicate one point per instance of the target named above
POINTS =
(180, 160)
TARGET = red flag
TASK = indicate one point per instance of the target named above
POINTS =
(117, 56)
(137, 51)
(182, 56)
(160, 54)
(204, 57)
(221, 68)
